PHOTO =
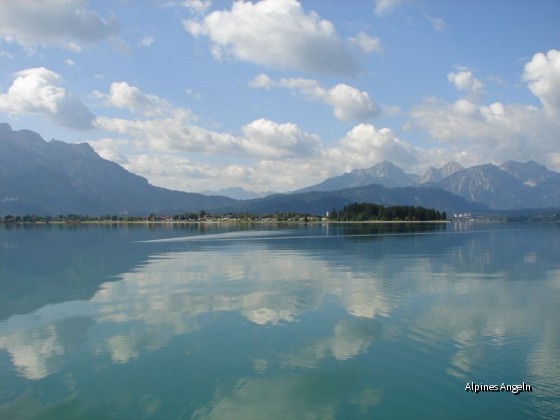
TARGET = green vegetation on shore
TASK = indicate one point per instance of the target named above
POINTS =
(190, 217)
(358, 212)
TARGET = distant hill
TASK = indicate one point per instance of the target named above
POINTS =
(319, 202)
(238, 193)
(51, 178)
(384, 173)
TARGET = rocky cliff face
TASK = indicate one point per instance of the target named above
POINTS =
(56, 177)
(433, 175)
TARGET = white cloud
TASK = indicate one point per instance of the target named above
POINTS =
(147, 40)
(40, 91)
(465, 81)
(367, 43)
(172, 170)
(348, 103)
(495, 132)
(275, 156)
(193, 93)
(437, 23)
(62, 23)
(261, 138)
(109, 148)
(391, 110)
(180, 173)
(271, 140)
(366, 145)
(498, 132)
(69, 62)
(123, 96)
(35, 353)
(362, 147)
(284, 157)
(385, 7)
(197, 6)
(193, 6)
(276, 34)
(170, 133)
(543, 75)
(262, 81)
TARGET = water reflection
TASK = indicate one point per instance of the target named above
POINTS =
(309, 323)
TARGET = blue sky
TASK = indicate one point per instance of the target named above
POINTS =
(279, 94)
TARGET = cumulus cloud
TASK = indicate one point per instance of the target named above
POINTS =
(465, 81)
(262, 81)
(275, 34)
(366, 145)
(181, 173)
(278, 156)
(61, 23)
(361, 147)
(122, 95)
(268, 139)
(169, 133)
(348, 103)
(367, 43)
(275, 155)
(495, 132)
(261, 138)
(40, 91)
(543, 75)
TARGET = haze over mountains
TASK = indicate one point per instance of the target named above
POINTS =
(512, 185)
(386, 174)
(51, 178)
(238, 193)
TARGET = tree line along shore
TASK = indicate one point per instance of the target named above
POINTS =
(356, 212)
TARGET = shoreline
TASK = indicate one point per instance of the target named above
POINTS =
(193, 222)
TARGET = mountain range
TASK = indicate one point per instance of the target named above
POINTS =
(51, 178)
(512, 185)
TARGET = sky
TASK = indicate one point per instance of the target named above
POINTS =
(276, 95)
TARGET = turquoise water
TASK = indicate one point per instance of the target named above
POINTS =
(268, 322)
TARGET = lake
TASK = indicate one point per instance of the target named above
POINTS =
(261, 321)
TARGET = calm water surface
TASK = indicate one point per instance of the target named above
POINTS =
(268, 322)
